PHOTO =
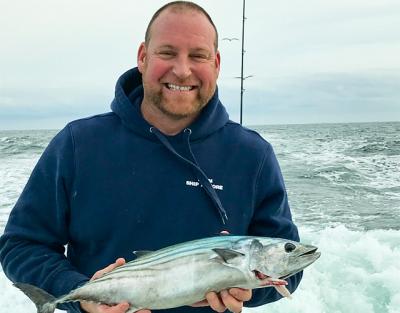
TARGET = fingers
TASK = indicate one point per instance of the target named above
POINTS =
(102, 308)
(119, 308)
(231, 300)
(118, 262)
(215, 302)
(232, 304)
(200, 303)
(241, 294)
(87, 306)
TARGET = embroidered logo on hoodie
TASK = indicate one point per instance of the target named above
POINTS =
(197, 184)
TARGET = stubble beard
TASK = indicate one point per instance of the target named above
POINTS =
(156, 99)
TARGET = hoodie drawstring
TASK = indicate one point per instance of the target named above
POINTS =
(201, 176)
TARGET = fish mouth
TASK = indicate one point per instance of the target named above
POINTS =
(308, 257)
(260, 276)
(310, 252)
(266, 280)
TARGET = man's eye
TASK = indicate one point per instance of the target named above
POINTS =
(166, 53)
(199, 56)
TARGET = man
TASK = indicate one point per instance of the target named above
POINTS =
(165, 166)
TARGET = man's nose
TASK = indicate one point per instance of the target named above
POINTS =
(182, 68)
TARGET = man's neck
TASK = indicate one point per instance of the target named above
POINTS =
(167, 125)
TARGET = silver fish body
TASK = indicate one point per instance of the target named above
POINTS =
(182, 274)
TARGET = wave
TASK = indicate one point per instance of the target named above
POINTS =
(373, 171)
(378, 147)
(21, 145)
(358, 272)
(24, 142)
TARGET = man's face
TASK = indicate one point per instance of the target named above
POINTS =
(179, 66)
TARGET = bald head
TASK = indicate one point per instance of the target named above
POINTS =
(180, 7)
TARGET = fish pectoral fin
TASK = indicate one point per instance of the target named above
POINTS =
(227, 254)
(140, 253)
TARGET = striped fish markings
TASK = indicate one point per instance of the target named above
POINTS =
(182, 274)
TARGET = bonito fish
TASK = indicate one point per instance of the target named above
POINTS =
(182, 274)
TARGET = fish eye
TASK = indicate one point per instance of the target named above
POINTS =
(289, 247)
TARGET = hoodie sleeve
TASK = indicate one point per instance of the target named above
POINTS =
(32, 246)
(272, 218)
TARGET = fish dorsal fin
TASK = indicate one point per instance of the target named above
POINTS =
(227, 254)
(140, 253)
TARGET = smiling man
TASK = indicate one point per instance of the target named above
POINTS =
(165, 166)
(179, 63)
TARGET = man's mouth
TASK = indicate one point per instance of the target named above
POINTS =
(179, 88)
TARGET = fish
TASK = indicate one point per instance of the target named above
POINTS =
(184, 273)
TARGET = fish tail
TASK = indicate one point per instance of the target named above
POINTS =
(45, 302)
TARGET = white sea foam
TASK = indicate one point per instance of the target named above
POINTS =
(358, 272)
(14, 174)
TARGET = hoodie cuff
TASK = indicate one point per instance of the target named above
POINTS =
(64, 283)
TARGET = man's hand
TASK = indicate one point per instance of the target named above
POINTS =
(231, 299)
(91, 307)
(102, 308)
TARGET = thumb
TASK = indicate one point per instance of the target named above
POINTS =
(118, 262)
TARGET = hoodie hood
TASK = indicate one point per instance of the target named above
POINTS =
(129, 96)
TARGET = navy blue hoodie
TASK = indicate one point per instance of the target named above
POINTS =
(111, 184)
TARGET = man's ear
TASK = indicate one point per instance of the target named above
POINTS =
(141, 57)
(218, 62)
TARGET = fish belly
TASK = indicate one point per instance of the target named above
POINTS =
(179, 282)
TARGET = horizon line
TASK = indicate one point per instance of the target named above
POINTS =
(245, 125)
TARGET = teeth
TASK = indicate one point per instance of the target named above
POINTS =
(180, 88)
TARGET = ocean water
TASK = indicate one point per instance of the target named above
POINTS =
(341, 174)
(343, 182)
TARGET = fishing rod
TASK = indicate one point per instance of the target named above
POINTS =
(241, 77)
(241, 73)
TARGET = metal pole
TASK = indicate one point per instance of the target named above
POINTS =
(241, 75)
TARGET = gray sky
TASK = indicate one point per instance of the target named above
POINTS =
(311, 61)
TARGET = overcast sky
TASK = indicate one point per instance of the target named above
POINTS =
(311, 61)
